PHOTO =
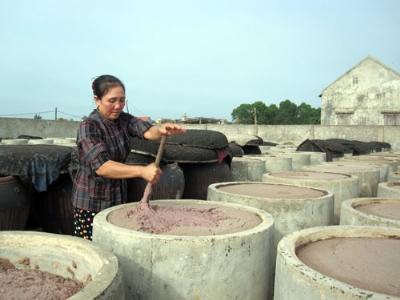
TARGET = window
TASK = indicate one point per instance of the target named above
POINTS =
(343, 118)
(391, 118)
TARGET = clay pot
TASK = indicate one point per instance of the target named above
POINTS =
(54, 209)
(170, 185)
(14, 204)
(199, 176)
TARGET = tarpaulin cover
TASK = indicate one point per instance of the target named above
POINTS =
(200, 138)
(337, 147)
(195, 146)
(42, 163)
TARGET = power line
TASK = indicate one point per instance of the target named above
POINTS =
(32, 113)
(135, 108)
(71, 115)
(64, 113)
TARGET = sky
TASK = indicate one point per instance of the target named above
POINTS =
(200, 58)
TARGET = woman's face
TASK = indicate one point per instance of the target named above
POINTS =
(112, 103)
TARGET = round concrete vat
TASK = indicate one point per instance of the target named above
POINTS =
(339, 262)
(316, 158)
(293, 207)
(386, 154)
(384, 166)
(281, 146)
(371, 212)
(334, 159)
(69, 257)
(299, 160)
(58, 141)
(392, 162)
(347, 155)
(394, 176)
(68, 145)
(289, 149)
(67, 142)
(14, 141)
(276, 150)
(264, 149)
(274, 163)
(389, 190)
(241, 139)
(393, 159)
(368, 175)
(190, 266)
(342, 186)
(40, 141)
(247, 169)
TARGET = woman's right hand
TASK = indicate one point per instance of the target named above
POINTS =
(151, 173)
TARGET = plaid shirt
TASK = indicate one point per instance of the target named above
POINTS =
(100, 140)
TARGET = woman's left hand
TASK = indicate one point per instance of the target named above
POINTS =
(171, 129)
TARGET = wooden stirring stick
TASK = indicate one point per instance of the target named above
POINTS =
(145, 201)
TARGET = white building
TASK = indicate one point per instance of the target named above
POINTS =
(367, 94)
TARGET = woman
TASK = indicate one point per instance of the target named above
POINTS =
(103, 146)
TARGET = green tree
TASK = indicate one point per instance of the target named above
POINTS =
(249, 113)
(260, 112)
(308, 114)
(271, 114)
(287, 113)
(243, 114)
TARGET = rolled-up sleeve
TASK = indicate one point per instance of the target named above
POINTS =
(137, 127)
(93, 149)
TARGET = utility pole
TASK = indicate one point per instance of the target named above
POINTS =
(255, 116)
(55, 114)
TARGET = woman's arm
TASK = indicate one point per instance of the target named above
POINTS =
(155, 132)
(116, 170)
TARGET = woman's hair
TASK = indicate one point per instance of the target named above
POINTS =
(102, 84)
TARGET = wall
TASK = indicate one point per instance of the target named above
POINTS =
(12, 127)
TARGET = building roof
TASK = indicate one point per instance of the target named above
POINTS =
(368, 58)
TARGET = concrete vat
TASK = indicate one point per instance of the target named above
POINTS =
(386, 154)
(67, 142)
(192, 265)
(14, 141)
(389, 190)
(66, 256)
(316, 158)
(40, 141)
(274, 163)
(394, 162)
(368, 175)
(339, 262)
(371, 212)
(394, 176)
(293, 207)
(247, 169)
(299, 160)
(264, 149)
(241, 139)
(384, 166)
(341, 185)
